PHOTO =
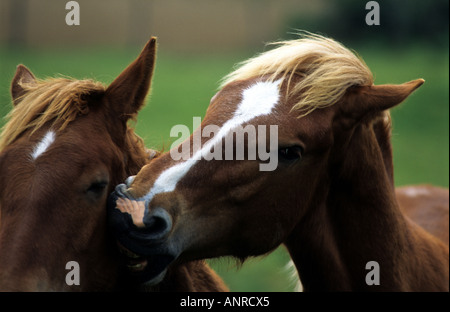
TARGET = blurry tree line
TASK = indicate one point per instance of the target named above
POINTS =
(401, 21)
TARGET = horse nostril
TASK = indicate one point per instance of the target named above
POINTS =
(158, 223)
(122, 190)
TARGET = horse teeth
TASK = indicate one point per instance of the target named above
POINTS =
(135, 267)
(128, 252)
(133, 255)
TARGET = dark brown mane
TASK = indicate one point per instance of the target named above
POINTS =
(138, 153)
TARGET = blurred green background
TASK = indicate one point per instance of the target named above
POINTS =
(199, 43)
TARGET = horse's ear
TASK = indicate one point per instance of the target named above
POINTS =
(22, 76)
(127, 92)
(362, 101)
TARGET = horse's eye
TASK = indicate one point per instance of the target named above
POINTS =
(97, 187)
(290, 153)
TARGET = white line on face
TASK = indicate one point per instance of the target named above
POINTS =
(43, 145)
(257, 100)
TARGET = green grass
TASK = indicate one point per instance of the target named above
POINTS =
(183, 86)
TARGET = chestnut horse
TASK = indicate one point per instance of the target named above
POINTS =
(330, 198)
(65, 147)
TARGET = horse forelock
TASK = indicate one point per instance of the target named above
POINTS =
(57, 100)
(326, 67)
(60, 101)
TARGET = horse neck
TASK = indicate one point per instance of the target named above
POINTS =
(138, 155)
(360, 221)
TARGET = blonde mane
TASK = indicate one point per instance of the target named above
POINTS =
(59, 100)
(327, 69)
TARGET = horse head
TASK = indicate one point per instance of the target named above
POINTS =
(333, 175)
(65, 146)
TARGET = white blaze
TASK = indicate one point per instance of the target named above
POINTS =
(43, 145)
(258, 100)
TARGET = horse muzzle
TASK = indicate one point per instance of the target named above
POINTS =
(142, 236)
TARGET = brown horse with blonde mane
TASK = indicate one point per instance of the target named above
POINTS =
(330, 198)
(64, 148)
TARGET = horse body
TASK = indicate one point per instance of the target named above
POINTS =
(331, 200)
(64, 148)
(427, 206)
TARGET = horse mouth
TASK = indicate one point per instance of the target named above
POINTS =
(148, 270)
(134, 262)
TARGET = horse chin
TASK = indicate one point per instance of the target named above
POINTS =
(156, 280)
